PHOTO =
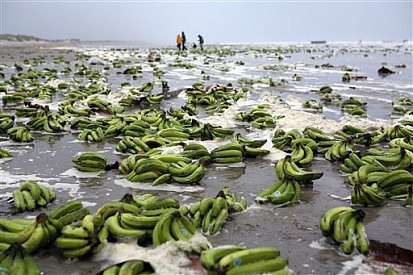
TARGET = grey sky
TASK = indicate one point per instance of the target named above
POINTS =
(247, 21)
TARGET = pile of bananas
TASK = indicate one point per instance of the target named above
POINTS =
(78, 241)
(154, 99)
(406, 143)
(392, 132)
(235, 203)
(90, 162)
(186, 173)
(133, 145)
(130, 267)
(26, 112)
(282, 140)
(147, 169)
(32, 195)
(15, 260)
(313, 104)
(98, 103)
(69, 212)
(397, 157)
(201, 99)
(173, 135)
(138, 128)
(352, 163)
(402, 105)
(6, 122)
(345, 226)
(353, 107)
(5, 154)
(71, 110)
(236, 259)
(365, 195)
(339, 150)
(209, 132)
(80, 123)
(30, 234)
(209, 214)
(228, 153)
(257, 143)
(315, 134)
(259, 117)
(287, 169)
(20, 134)
(92, 135)
(283, 192)
(173, 227)
(331, 97)
(48, 122)
(196, 151)
(302, 153)
(395, 183)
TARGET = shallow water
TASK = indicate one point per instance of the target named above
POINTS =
(294, 230)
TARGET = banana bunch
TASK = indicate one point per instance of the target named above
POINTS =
(392, 132)
(201, 99)
(90, 162)
(253, 114)
(138, 128)
(302, 154)
(133, 145)
(111, 208)
(71, 110)
(239, 138)
(235, 203)
(92, 135)
(283, 192)
(339, 150)
(127, 165)
(331, 97)
(80, 123)
(283, 140)
(123, 225)
(173, 227)
(5, 154)
(6, 122)
(49, 123)
(315, 134)
(399, 110)
(217, 108)
(153, 117)
(15, 260)
(78, 241)
(209, 214)
(395, 182)
(30, 234)
(313, 104)
(287, 169)
(365, 195)
(13, 98)
(116, 127)
(32, 195)
(20, 134)
(368, 173)
(154, 99)
(209, 132)
(131, 267)
(348, 131)
(352, 163)
(228, 153)
(345, 226)
(173, 135)
(148, 169)
(406, 143)
(69, 212)
(351, 103)
(196, 151)
(184, 173)
(397, 157)
(26, 112)
(98, 103)
(403, 101)
(236, 259)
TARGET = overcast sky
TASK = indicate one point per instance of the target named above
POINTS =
(218, 21)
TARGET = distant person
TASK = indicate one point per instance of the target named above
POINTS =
(194, 46)
(179, 42)
(201, 42)
(183, 41)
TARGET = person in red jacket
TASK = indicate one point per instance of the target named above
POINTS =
(179, 42)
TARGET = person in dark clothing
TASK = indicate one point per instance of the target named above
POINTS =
(201, 42)
(183, 41)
